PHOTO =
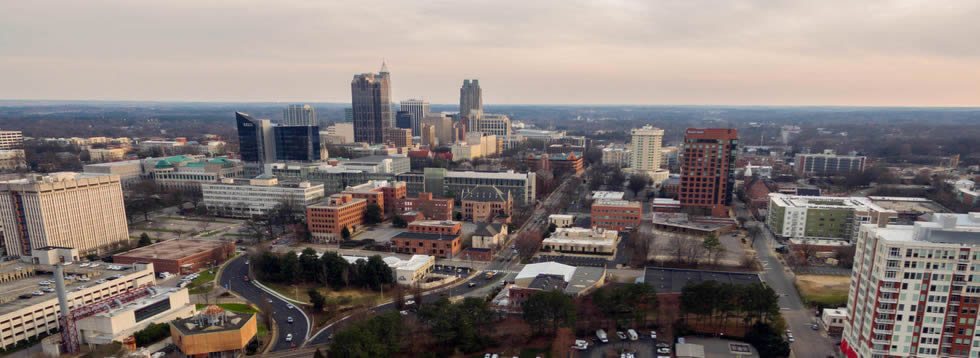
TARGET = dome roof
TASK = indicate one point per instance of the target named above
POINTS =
(213, 310)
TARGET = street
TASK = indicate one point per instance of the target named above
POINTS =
(809, 343)
(233, 278)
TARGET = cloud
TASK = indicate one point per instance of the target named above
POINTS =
(870, 52)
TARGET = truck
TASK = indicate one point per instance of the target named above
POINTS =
(601, 334)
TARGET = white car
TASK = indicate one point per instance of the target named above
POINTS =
(621, 335)
(410, 302)
(290, 306)
(289, 337)
(403, 312)
(289, 319)
(581, 345)
(653, 334)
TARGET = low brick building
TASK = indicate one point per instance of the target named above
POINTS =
(431, 208)
(485, 202)
(381, 192)
(417, 243)
(757, 191)
(445, 227)
(619, 215)
(179, 256)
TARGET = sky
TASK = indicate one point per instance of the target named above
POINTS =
(647, 52)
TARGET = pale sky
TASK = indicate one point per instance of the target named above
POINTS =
(658, 52)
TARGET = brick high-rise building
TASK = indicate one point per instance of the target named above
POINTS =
(371, 99)
(708, 169)
(914, 290)
(326, 220)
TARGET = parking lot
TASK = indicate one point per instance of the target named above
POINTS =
(644, 347)
(460, 271)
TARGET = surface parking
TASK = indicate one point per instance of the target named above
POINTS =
(573, 260)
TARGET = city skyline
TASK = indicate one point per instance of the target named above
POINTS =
(691, 53)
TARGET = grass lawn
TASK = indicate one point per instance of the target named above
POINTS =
(210, 234)
(198, 220)
(262, 330)
(830, 291)
(342, 298)
(202, 283)
(153, 229)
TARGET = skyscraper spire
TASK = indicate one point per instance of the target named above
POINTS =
(384, 67)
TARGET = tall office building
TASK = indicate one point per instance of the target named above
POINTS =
(256, 139)
(470, 102)
(914, 290)
(646, 148)
(371, 98)
(418, 109)
(491, 124)
(348, 115)
(84, 211)
(298, 143)
(403, 120)
(299, 115)
(443, 125)
(708, 169)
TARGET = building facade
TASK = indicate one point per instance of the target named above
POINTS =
(11, 140)
(913, 289)
(828, 163)
(342, 130)
(823, 217)
(708, 169)
(576, 240)
(77, 210)
(619, 215)
(298, 143)
(491, 124)
(180, 256)
(371, 99)
(484, 203)
(470, 101)
(456, 183)
(257, 196)
(417, 109)
(431, 208)
(256, 139)
(299, 115)
(617, 156)
(180, 172)
(646, 148)
(399, 137)
(416, 243)
(326, 220)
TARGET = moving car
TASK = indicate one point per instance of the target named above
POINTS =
(663, 348)
(289, 319)
(410, 302)
(289, 337)
(290, 306)
(471, 284)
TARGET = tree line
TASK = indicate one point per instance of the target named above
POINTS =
(329, 269)
(711, 302)
(380, 336)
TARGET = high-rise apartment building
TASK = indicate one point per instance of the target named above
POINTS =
(470, 101)
(371, 98)
(829, 163)
(79, 210)
(914, 290)
(11, 140)
(708, 169)
(418, 109)
(299, 115)
(646, 148)
(256, 139)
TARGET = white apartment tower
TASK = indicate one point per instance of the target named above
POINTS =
(299, 115)
(915, 289)
(418, 109)
(646, 148)
(11, 140)
(79, 210)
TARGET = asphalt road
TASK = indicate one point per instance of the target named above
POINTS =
(233, 278)
(809, 343)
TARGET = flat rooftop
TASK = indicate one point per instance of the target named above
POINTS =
(611, 202)
(614, 195)
(424, 236)
(682, 220)
(173, 249)
(825, 202)
(908, 205)
(670, 280)
(9, 291)
(193, 325)
(583, 278)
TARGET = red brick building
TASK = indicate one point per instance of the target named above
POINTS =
(484, 203)
(619, 215)
(326, 220)
(757, 191)
(444, 227)
(431, 208)
(708, 169)
(417, 243)
(179, 256)
(383, 193)
(561, 163)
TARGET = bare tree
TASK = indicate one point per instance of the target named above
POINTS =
(806, 250)
(640, 245)
(527, 243)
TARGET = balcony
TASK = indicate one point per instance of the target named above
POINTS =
(884, 342)
(884, 320)
(888, 300)
(888, 289)
(885, 310)
(881, 331)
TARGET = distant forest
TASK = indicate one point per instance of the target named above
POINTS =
(895, 134)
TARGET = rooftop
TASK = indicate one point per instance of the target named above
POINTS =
(74, 274)
(904, 204)
(547, 282)
(684, 221)
(610, 202)
(825, 202)
(485, 193)
(614, 195)
(200, 325)
(584, 278)
(488, 229)
(551, 268)
(173, 249)
(670, 280)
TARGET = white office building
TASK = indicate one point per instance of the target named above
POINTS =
(299, 115)
(258, 196)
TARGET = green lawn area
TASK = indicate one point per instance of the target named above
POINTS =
(202, 283)
(210, 234)
(262, 330)
(233, 307)
(827, 291)
(153, 229)
(192, 219)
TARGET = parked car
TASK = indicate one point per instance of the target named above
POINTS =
(410, 302)
(663, 348)
(581, 345)
(621, 335)
(653, 334)
(632, 334)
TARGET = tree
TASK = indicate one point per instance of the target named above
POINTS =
(318, 354)
(549, 308)
(713, 247)
(373, 214)
(807, 251)
(527, 243)
(144, 240)
(345, 233)
(640, 245)
(398, 222)
(317, 299)
(638, 182)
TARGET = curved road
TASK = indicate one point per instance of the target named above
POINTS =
(233, 277)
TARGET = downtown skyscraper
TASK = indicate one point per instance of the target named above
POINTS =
(299, 115)
(418, 109)
(371, 100)
(470, 102)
